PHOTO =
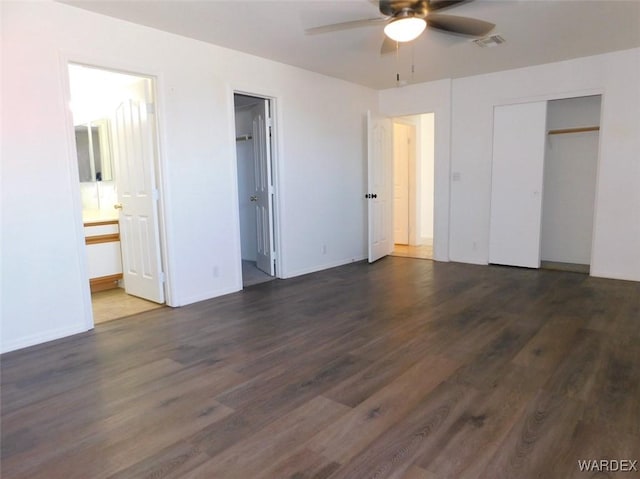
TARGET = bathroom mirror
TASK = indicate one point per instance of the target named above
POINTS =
(93, 144)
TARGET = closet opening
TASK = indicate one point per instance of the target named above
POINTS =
(569, 185)
(544, 175)
(254, 129)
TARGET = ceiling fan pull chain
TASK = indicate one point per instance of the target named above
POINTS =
(413, 63)
(397, 64)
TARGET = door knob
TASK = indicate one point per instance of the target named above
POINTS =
(253, 198)
(118, 206)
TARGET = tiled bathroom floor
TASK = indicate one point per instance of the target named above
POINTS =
(115, 303)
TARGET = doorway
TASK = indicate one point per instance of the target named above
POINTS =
(256, 201)
(115, 138)
(413, 185)
(569, 183)
(544, 175)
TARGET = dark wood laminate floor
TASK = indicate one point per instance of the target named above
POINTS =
(403, 369)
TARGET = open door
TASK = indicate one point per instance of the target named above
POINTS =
(264, 187)
(135, 149)
(516, 186)
(380, 182)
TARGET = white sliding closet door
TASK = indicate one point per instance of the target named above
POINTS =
(519, 133)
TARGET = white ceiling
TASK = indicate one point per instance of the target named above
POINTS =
(536, 31)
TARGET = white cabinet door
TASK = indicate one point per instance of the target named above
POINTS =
(516, 186)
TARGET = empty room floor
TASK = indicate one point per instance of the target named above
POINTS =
(400, 369)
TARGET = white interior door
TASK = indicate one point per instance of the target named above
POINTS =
(401, 145)
(264, 187)
(134, 140)
(380, 182)
(519, 133)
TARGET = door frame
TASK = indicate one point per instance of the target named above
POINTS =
(273, 102)
(565, 95)
(440, 107)
(159, 165)
(416, 211)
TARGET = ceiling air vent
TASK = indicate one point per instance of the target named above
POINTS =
(490, 41)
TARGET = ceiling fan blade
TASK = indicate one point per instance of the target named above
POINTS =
(336, 27)
(460, 25)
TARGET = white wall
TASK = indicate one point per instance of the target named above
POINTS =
(570, 167)
(617, 217)
(427, 153)
(617, 222)
(320, 147)
(432, 97)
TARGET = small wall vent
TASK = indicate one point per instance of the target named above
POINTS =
(490, 41)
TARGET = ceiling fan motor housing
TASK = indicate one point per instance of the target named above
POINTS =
(404, 8)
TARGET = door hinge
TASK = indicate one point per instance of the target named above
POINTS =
(161, 276)
(151, 109)
(156, 195)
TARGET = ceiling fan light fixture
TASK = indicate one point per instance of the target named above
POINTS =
(405, 28)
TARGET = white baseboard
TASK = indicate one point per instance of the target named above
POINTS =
(42, 337)
(603, 274)
(196, 298)
(315, 269)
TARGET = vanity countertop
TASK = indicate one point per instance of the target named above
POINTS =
(98, 216)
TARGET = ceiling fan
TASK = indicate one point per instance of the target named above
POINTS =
(405, 20)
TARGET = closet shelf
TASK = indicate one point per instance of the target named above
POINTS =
(581, 129)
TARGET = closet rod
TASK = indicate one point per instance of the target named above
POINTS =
(243, 138)
(573, 130)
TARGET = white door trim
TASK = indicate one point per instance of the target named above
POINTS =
(563, 95)
(276, 172)
(64, 60)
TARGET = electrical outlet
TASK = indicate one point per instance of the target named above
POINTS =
(215, 271)
(324, 249)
